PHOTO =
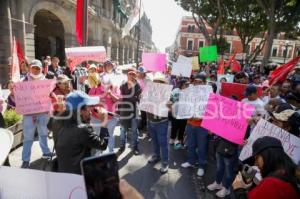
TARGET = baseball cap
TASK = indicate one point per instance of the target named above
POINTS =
(201, 76)
(262, 144)
(250, 90)
(107, 62)
(159, 77)
(141, 69)
(62, 78)
(36, 63)
(77, 99)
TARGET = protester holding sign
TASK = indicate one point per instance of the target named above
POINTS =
(158, 128)
(197, 138)
(178, 125)
(142, 79)
(38, 121)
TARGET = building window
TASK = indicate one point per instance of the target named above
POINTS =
(190, 45)
(274, 52)
(201, 44)
(191, 28)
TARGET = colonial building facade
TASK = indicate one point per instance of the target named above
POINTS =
(46, 27)
(189, 38)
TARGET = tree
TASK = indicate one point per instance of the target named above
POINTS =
(205, 13)
(249, 21)
(283, 16)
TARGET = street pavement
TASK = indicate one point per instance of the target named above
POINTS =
(178, 183)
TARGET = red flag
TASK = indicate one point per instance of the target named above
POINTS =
(281, 73)
(221, 67)
(20, 52)
(235, 66)
(79, 21)
(15, 68)
(230, 60)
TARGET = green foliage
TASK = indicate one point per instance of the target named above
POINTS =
(11, 117)
(222, 45)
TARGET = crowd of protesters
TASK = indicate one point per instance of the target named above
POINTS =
(104, 97)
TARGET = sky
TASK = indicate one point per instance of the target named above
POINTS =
(165, 16)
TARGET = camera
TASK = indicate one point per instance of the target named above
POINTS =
(248, 173)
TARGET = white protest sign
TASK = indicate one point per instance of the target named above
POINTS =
(183, 59)
(155, 97)
(19, 183)
(6, 141)
(182, 69)
(291, 143)
(192, 102)
(33, 96)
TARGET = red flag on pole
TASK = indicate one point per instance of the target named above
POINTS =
(79, 21)
(15, 68)
(235, 66)
(221, 67)
(230, 60)
(281, 73)
(20, 52)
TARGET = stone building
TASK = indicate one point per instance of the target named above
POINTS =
(46, 27)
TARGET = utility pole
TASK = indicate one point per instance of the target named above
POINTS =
(139, 36)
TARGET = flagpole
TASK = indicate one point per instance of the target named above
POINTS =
(139, 36)
(85, 22)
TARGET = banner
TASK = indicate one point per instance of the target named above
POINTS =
(28, 183)
(33, 96)
(290, 143)
(183, 69)
(79, 21)
(237, 90)
(208, 54)
(155, 97)
(77, 55)
(155, 62)
(227, 118)
(192, 102)
(228, 78)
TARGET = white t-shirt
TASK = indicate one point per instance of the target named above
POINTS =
(259, 106)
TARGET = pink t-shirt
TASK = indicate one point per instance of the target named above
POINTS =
(105, 100)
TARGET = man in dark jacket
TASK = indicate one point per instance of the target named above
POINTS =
(130, 92)
(74, 137)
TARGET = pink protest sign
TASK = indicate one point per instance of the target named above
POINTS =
(33, 96)
(154, 61)
(227, 118)
(78, 55)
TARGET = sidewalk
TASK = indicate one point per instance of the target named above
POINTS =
(178, 183)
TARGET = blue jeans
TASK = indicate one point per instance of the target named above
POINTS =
(159, 135)
(30, 124)
(197, 145)
(135, 133)
(226, 165)
(111, 125)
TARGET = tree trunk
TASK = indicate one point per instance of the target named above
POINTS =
(270, 36)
